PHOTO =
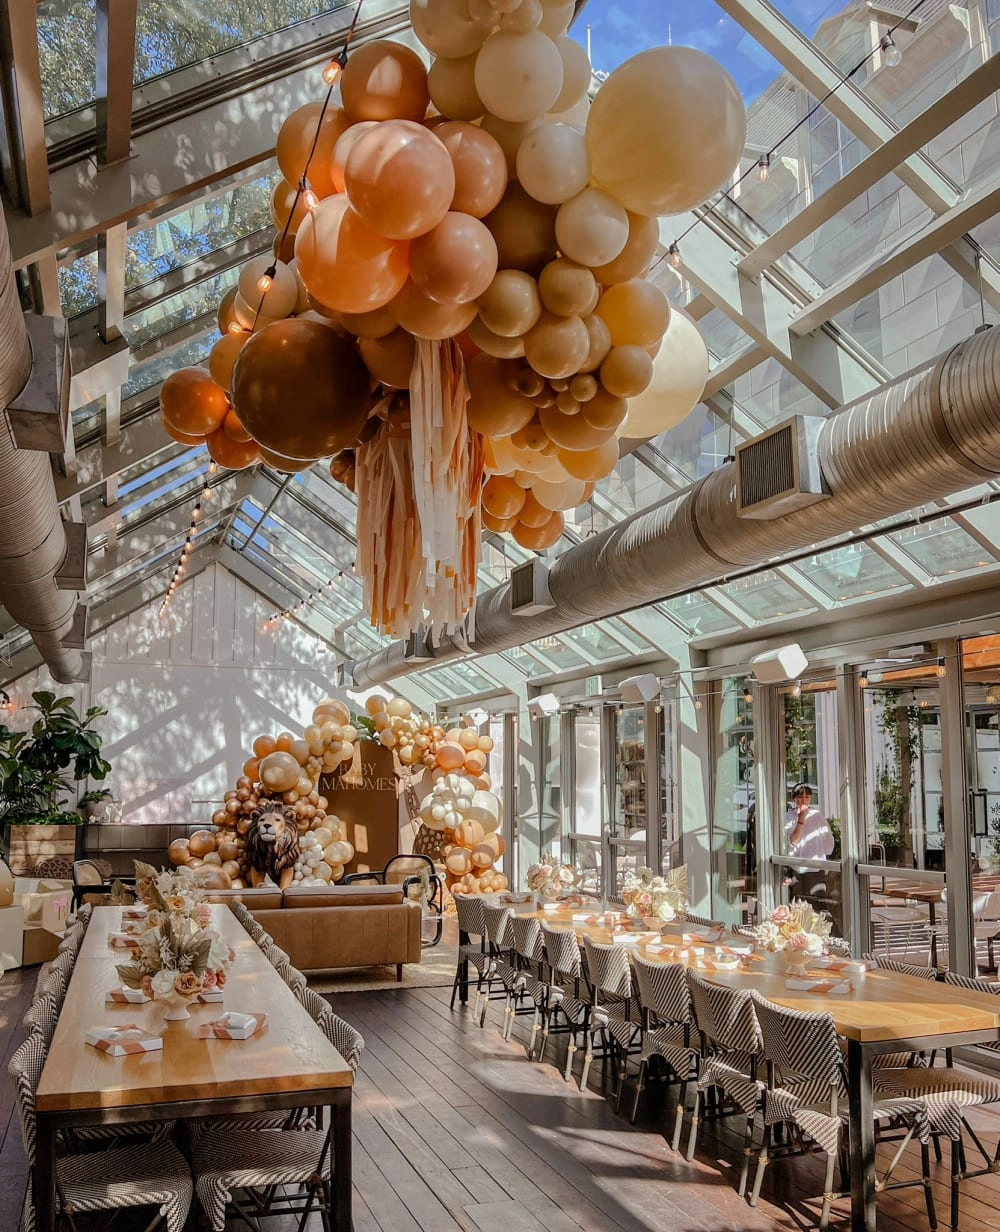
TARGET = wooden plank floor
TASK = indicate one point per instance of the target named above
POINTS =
(455, 1129)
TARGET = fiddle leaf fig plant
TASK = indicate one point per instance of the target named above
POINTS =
(59, 750)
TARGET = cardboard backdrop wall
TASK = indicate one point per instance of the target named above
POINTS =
(369, 811)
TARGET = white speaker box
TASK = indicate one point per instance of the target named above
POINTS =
(775, 666)
(639, 688)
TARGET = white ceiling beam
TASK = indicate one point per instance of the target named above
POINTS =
(97, 463)
(959, 100)
(980, 206)
(23, 98)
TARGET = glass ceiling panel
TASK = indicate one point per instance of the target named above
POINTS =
(199, 300)
(67, 51)
(942, 548)
(852, 571)
(206, 227)
(699, 614)
(766, 596)
(698, 445)
(152, 371)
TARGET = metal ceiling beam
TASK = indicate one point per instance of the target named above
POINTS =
(23, 103)
(980, 206)
(96, 463)
(762, 310)
(218, 138)
(959, 100)
(115, 71)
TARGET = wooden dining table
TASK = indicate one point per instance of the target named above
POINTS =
(289, 1063)
(883, 1012)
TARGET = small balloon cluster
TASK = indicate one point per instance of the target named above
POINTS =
(285, 769)
(489, 202)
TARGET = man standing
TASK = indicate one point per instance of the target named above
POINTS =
(807, 831)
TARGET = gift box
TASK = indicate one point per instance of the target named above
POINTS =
(209, 998)
(120, 995)
(123, 941)
(233, 1025)
(46, 902)
(137, 911)
(124, 1040)
(826, 987)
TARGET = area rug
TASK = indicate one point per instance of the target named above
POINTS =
(436, 969)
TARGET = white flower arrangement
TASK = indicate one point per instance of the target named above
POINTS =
(797, 927)
(549, 877)
(646, 893)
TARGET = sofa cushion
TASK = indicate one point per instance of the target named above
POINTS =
(263, 899)
(338, 896)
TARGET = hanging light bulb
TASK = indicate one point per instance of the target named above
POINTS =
(797, 689)
(863, 679)
(697, 703)
(891, 54)
(266, 281)
(309, 198)
(674, 255)
(763, 167)
(941, 671)
(235, 327)
(213, 467)
(332, 71)
(196, 512)
(747, 695)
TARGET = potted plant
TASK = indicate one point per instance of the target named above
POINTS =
(36, 767)
(94, 804)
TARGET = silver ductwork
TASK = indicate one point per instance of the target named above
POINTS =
(32, 537)
(927, 435)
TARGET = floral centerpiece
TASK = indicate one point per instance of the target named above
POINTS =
(796, 930)
(659, 899)
(549, 877)
(178, 956)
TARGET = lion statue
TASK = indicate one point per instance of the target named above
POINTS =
(272, 844)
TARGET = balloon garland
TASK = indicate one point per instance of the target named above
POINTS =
(286, 770)
(515, 218)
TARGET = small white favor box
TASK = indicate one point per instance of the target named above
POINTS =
(233, 1025)
(124, 1040)
(120, 995)
(137, 911)
(123, 941)
(209, 998)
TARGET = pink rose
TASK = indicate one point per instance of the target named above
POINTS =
(798, 941)
(781, 915)
(187, 983)
(146, 984)
(209, 980)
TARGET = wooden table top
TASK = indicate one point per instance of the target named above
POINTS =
(883, 1006)
(290, 1054)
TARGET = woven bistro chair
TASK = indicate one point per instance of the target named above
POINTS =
(472, 951)
(567, 1001)
(293, 977)
(503, 976)
(615, 1012)
(535, 988)
(149, 1174)
(806, 1088)
(669, 1029)
(731, 1057)
(249, 1169)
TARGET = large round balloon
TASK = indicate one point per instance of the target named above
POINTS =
(300, 389)
(480, 167)
(495, 407)
(390, 359)
(234, 455)
(445, 27)
(384, 81)
(400, 179)
(344, 263)
(519, 76)
(223, 356)
(452, 83)
(665, 130)
(456, 261)
(299, 133)
(524, 229)
(680, 371)
(192, 403)
(552, 163)
(426, 318)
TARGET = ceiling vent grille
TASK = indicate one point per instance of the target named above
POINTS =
(529, 589)
(779, 471)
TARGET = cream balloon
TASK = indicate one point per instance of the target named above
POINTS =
(278, 296)
(565, 495)
(552, 163)
(445, 27)
(591, 228)
(519, 76)
(665, 130)
(680, 371)
(576, 73)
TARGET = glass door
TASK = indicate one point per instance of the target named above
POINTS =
(627, 820)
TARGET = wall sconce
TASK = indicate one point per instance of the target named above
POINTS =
(544, 705)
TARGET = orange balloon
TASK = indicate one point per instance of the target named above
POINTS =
(502, 497)
(524, 229)
(264, 745)
(604, 410)
(222, 357)
(590, 463)
(557, 347)
(234, 429)
(183, 438)
(511, 305)
(251, 766)
(535, 538)
(532, 514)
(475, 761)
(345, 264)
(456, 261)
(282, 203)
(626, 371)
(341, 151)
(234, 455)
(480, 167)
(226, 316)
(426, 318)
(278, 461)
(637, 313)
(637, 255)
(497, 525)
(384, 81)
(300, 389)
(495, 406)
(295, 143)
(452, 84)
(572, 432)
(390, 359)
(450, 756)
(374, 324)
(399, 178)
(192, 403)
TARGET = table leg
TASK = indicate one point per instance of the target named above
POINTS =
(44, 1174)
(340, 1163)
(861, 1131)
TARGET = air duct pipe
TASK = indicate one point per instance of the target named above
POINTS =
(32, 537)
(924, 436)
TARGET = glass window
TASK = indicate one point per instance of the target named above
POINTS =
(700, 615)
(942, 548)
(152, 371)
(852, 571)
(766, 596)
(78, 285)
(734, 828)
(67, 51)
(200, 300)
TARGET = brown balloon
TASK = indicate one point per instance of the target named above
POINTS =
(456, 261)
(400, 179)
(390, 359)
(572, 432)
(182, 438)
(384, 80)
(426, 318)
(480, 167)
(524, 229)
(234, 455)
(192, 403)
(497, 526)
(536, 538)
(495, 407)
(300, 389)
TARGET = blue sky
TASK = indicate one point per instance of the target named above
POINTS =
(621, 28)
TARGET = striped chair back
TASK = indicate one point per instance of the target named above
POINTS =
(901, 968)
(562, 952)
(25, 1069)
(528, 941)
(610, 974)
(349, 1042)
(663, 990)
(725, 1016)
(499, 923)
(42, 1016)
(471, 912)
(313, 1003)
(799, 1043)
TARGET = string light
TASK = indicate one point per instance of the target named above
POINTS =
(307, 601)
(891, 54)
(187, 547)
(747, 695)
(266, 281)
(763, 167)
(940, 671)
(674, 254)
(309, 198)
(863, 679)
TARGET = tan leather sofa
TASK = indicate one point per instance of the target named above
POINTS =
(326, 928)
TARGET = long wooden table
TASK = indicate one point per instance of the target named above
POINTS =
(885, 1012)
(290, 1063)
